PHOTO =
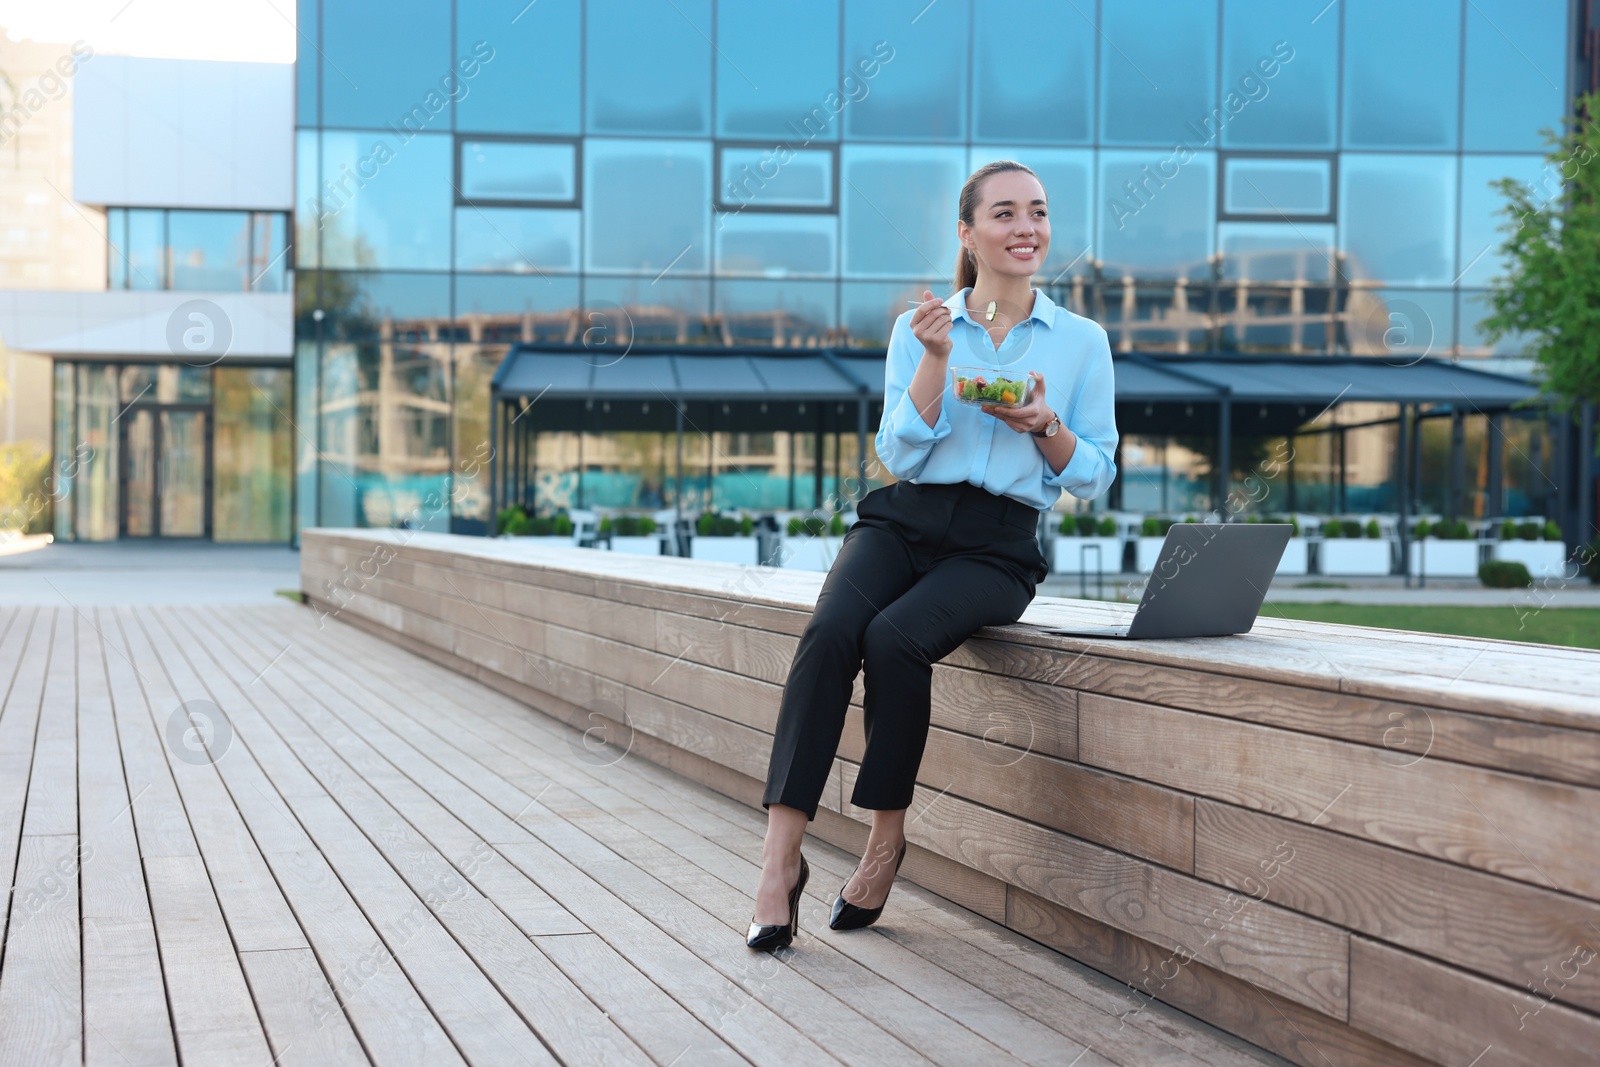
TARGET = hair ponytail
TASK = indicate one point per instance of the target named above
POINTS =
(966, 274)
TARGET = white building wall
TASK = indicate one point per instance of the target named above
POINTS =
(183, 133)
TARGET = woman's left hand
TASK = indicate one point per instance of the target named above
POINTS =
(1032, 416)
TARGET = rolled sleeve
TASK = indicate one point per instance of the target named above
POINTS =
(1092, 418)
(905, 440)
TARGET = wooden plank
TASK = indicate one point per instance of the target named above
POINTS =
(125, 997)
(1507, 824)
(1301, 1035)
(498, 746)
(24, 653)
(1450, 1016)
(1500, 928)
(291, 991)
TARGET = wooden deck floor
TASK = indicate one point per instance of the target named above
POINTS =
(372, 859)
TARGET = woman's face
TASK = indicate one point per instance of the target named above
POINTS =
(1010, 231)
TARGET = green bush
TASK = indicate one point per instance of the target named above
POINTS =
(540, 527)
(810, 526)
(711, 524)
(1529, 531)
(503, 518)
(1107, 527)
(1422, 529)
(516, 524)
(747, 526)
(1372, 529)
(1332, 529)
(561, 526)
(1504, 574)
(1444, 530)
(1591, 565)
(605, 525)
(836, 525)
(1508, 531)
(1552, 532)
(1294, 526)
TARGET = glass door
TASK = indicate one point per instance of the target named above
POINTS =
(166, 472)
(139, 473)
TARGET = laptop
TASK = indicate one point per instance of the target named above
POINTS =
(1209, 581)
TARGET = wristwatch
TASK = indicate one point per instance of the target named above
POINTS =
(1051, 428)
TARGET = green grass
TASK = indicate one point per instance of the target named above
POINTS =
(1579, 627)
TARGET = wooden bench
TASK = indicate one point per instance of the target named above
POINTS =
(1346, 845)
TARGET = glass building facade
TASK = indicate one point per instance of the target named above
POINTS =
(1284, 176)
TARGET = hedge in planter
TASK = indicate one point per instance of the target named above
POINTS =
(1502, 574)
(628, 526)
(710, 524)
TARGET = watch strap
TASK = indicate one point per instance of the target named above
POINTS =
(1056, 422)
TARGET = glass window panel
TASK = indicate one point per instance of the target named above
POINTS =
(307, 198)
(1397, 216)
(531, 83)
(1516, 66)
(781, 314)
(252, 454)
(516, 239)
(1276, 251)
(776, 245)
(95, 490)
(759, 177)
(1528, 448)
(306, 423)
(1474, 307)
(386, 203)
(396, 68)
(502, 309)
(1278, 186)
(411, 306)
(923, 97)
(145, 254)
(1153, 224)
(1068, 179)
(1292, 50)
(65, 437)
(210, 250)
(649, 67)
(898, 209)
(867, 310)
(518, 170)
(165, 383)
(269, 252)
(469, 489)
(116, 245)
(1481, 210)
(767, 90)
(305, 71)
(650, 310)
(1008, 90)
(1158, 72)
(1401, 325)
(338, 420)
(1402, 66)
(649, 205)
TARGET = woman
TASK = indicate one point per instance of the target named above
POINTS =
(950, 547)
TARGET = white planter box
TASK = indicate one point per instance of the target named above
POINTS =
(1073, 554)
(724, 549)
(1544, 559)
(1434, 558)
(1147, 551)
(637, 546)
(806, 553)
(1353, 556)
(547, 540)
(1294, 557)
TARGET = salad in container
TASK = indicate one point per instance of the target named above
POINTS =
(978, 385)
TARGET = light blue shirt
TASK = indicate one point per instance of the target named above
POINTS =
(966, 444)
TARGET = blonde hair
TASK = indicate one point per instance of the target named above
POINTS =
(967, 209)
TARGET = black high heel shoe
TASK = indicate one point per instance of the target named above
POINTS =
(771, 938)
(847, 916)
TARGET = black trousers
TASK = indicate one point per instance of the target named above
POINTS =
(922, 569)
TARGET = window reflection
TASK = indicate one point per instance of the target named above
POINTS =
(1008, 89)
(252, 454)
(531, 85)
(1401, 325)
(920, 92)
(210, 249)
(516, 239)
(1301, 98)
(1482, 233)
(408, 306)
(499, 309)
(898, 209)
(384, 201)
(1516, 65)
(1276, 251)
(1158, 72)
(1398, 216)
(649, 205)
(523, 171)
(788, 80)
(776, 245)
(780, 314)
(762, 178)
(867, 310)
(307, 163)
(1277, 186)
(1156, 215)
(651, 72)
(269, 252)
(1402, 65)
(1473, 306)
(215, 251)
(375, 71)
(664, 310)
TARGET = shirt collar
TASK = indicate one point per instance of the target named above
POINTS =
(1044, 309)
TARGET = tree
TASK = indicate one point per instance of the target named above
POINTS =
(1552, 291)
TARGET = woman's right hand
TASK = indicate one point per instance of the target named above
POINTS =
(931, 323)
